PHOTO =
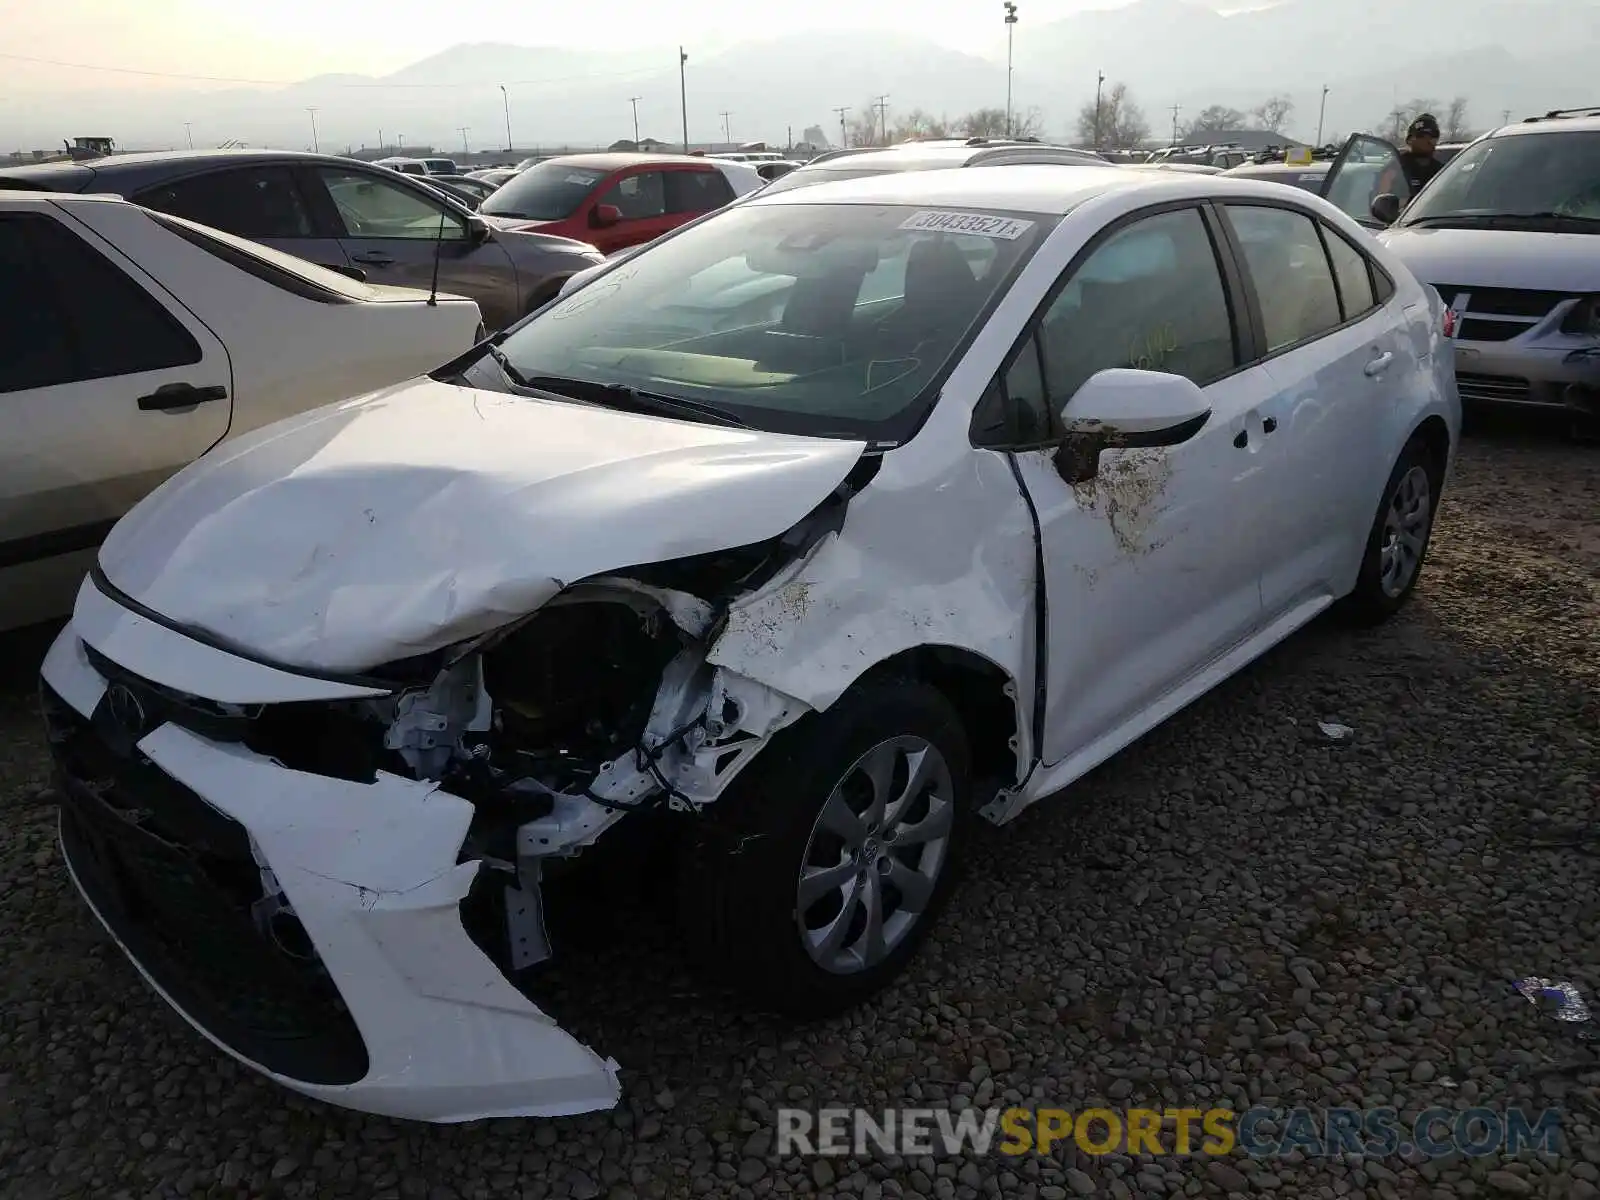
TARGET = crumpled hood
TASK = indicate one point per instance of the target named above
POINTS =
(407, 520)
(1499, 258)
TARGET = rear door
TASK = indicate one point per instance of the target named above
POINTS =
(1366, 168)
(263, 203)
(693, 191)
(641, 197)
(393, 230)
(107, 386)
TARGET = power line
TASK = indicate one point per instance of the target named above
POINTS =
(75, 66)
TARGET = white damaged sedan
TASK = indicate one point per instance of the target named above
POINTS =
(812, 533)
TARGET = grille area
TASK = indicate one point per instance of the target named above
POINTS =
(1499, 314)
(1501, 389)
(175, 880)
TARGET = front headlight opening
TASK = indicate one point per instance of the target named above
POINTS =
(1584, 318)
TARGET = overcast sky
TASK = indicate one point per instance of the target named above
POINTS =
(292, 39)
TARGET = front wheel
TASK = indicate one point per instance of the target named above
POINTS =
(1397, 545)
(816, 875)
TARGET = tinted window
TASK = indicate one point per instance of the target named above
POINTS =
(1290, 272)
(372, 207)
(697, 191)
(1151, 298)
(253, 202)
(546, 191)
(1350, 269)
(71, 314)
(638, 196)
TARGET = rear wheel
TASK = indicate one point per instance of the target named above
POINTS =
(1397, 545)
(811, 881)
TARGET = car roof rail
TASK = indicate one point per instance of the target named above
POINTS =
(1557, 113)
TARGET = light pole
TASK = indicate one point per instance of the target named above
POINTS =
(1099, 86)
(188, 133)
(634, 100)
(463, 129)
(882, 104)
(312, 110)
(1322, 113)
(727, 130)
(683, 97)
(505, 96)
(1011, 28)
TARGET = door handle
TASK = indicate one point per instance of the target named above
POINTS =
(375, 258)
(180, 395)
(1379, 365)
(1242, 439)
(1269, 424)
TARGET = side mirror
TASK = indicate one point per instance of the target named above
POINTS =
(1126, 409)
(1386, 208)
(604, 215)
(478, 230)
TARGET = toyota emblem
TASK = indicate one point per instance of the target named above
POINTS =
(125, 709)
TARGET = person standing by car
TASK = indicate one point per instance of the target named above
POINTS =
(1418, 159)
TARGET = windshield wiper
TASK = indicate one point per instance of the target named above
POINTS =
(1448, 219)
(631, 399)
(1550, 216)
(507, 367)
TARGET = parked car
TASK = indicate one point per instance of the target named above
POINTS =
(927, 156)
(818, 514)
(770, 169)
(1308, 177)
(1190, 168)
(1509, 234)
(494, 176)
(339, 213)
(471, 192)
(617, 200)
(134, 342)
(406, 166)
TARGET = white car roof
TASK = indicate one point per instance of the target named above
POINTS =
(1045, 188)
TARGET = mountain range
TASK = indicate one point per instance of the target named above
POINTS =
(1522, 56)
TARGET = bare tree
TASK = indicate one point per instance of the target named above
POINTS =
(1116, 123)
(1273, 113)
(1214, 119)
(1394, 126)
(1454, 126)
(983, 122)
(866, 129)
(919, 124)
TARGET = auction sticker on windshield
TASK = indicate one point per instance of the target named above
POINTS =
(978, 224)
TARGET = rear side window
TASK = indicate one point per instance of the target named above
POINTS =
(1353, 274)
(268, 265)
(253, 202)
(1290, 270)
(638, 196)
(73, 315)
(697, 191)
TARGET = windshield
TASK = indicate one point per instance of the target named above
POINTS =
(822, 319)
(547, 191)
(1521, 175)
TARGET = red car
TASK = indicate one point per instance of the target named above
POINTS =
(614, 201)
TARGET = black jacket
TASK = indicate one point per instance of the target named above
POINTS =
(1418, 168)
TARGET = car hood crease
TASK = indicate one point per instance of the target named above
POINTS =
(405, 521)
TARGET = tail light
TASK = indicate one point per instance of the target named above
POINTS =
(1448, 323)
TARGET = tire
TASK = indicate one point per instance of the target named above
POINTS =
(740, 870)
(1397, 546)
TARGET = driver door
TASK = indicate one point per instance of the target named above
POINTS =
(1366, 168)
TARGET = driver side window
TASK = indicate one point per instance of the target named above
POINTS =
(375, 208)
(1150, 297)
(639, 196)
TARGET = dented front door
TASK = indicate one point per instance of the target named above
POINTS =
(1153, 566)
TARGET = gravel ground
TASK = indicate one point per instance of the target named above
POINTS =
(1238, 910)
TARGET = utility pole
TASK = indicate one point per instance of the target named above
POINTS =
(1505, 116)
(188, 133)
(1322, 114)
(1011, 27)
(313, 112)
(789, 149)
(382, 145)
(844, 135)
(464, 129)
(881, 103)
(634, 100)
(1176, 109)
(505, 96)
(727, 131)
(1098, 87)
(683, 97)
(401, 138)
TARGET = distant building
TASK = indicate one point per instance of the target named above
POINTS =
(644, 146)
(92, 147)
